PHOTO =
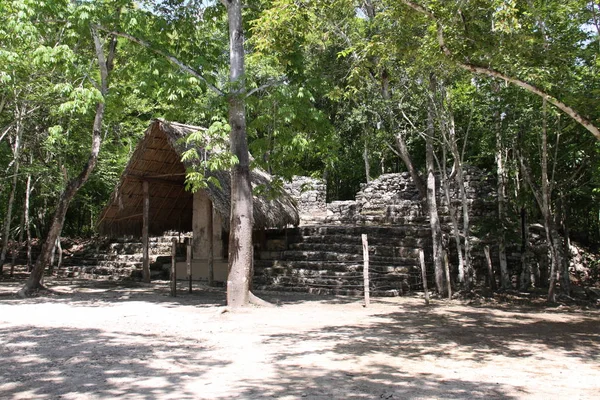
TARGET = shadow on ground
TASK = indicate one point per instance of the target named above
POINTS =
(97, 293)
(312, 363)
(476, 337)
(417, 331)
(55, 362)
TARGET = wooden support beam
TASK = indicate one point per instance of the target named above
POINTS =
(127, 217)
(162, 179)
(424, 276)
(365, 248)
(145, 229)
(211, 247)
(173, 267)
(188, 260)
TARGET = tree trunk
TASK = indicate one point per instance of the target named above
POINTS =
(455, 226)
(145, 240)
(434, 221)
(546, 212)
(501, 193)
(407, 160)
(526, 269)
(449, 135)
(543, 198)
(460, 180)
(366, 160)
(58, 219)
(11, 196)
(240, 232)
(27, 222)
(18, 247)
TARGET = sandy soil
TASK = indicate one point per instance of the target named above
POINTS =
(104, 341)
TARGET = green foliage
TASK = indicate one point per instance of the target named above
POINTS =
(328, 80)
(206, 152)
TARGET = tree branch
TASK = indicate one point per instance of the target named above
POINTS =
(274, 82)
(529, 179)
(586, 123)
(170, 58)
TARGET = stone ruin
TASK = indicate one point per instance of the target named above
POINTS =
(324, 254)
(310, 195)
(391, 199)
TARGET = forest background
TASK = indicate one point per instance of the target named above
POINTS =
(341, 90)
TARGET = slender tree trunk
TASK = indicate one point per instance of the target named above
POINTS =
(501, 193)
(543, 198)
(366, 160)
(19, 247)
(145, 228)
(407, 160)
(11, 196)
(526, 268)
(567, 243)
(460, 180)
(434, 221)
(105, 65)
(240, 234)
(546, 212)
(27, 222)
(52, 255)
(455, 225)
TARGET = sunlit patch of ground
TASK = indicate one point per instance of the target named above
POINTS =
(107, 340)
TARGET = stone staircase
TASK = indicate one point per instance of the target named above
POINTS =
(104, 258)
(119, 258)
(328, 259)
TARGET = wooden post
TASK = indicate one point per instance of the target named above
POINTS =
(365, 248)
(189, 265)
(424, 276)
(491, 277)
(211, 246)
(145, 222)
(447, 268)
(173, 268)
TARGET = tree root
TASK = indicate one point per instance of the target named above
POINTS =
(253, 299)
(27, 292)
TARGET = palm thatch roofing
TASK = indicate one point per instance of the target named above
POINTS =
(157, 160)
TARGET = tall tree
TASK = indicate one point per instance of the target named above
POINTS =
(105, 64)
(240, 233)
(508, 22)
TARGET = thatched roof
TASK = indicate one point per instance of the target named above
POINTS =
(157, 160)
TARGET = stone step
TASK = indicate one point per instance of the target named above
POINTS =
(133, 248)
(393, 282)
(415, 242)
(388, 251)
(333, 274)
(153, 239)
(352, 230)
(118, 264)
(357, 230)
(280, 266)
(97, 258)
(307, 255)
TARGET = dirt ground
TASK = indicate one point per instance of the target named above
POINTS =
(100, 340)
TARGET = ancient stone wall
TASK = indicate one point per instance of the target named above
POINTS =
(310, 195)
(394, 199)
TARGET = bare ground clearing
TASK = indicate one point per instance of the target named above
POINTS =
(105, 340)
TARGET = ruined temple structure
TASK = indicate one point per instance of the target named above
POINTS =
(155, 174)
(324, 254)
(301, 242)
